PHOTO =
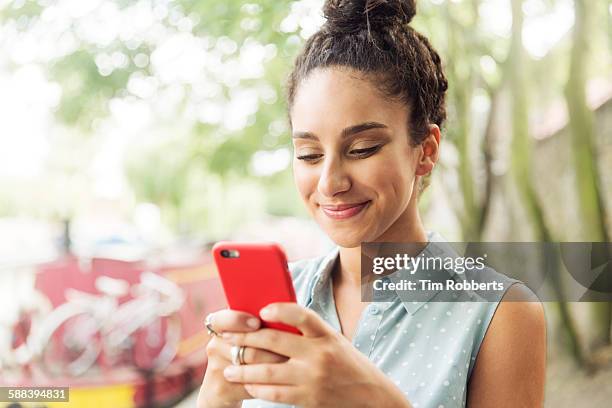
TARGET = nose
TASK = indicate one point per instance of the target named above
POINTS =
(334, 178)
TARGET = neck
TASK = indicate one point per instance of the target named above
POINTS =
(407, 228)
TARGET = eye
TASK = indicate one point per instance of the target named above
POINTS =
(365, 152)
(309, 157)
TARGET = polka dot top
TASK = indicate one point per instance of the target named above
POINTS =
(428, 348)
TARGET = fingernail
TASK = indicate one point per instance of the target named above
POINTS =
(265, 313)
(230, 372)
(227, 336)
(253, 323)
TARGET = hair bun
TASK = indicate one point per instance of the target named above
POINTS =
(353, 15)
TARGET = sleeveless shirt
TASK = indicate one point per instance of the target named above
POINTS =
(427, 348)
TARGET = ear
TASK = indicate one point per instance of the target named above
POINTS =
(430, 150)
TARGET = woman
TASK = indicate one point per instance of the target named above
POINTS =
(366, 103)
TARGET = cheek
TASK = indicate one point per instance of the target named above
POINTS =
(392, 179)
(305, 180)
(388, 169)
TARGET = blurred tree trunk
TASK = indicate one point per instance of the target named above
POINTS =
(592, 208)
(461, 80)
(521, 155)
(464, 51)
(521, 159)
(488, 144)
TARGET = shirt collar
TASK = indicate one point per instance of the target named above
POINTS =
(436, 247)
(326, 267)
(323, 273)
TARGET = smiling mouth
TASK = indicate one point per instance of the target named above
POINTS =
(344, 211)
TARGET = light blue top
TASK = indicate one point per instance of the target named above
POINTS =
(428, 348)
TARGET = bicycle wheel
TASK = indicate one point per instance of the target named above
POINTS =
(69, 342)
(154, 345)
(30, 316)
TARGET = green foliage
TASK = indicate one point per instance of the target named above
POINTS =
(171, 173)
(85, 93)
(238, 20)
(24, 10)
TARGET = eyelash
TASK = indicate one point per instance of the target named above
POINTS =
(363, 153)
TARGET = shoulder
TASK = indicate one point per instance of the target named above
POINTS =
(511, 363)
(304, 268)
(520, 311)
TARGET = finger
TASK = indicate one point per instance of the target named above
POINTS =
(259, 356)
(276, 341)
(233, 320)
(251, 355)
(286, 394)
(305, 320)
(261, 374)
(216, 351)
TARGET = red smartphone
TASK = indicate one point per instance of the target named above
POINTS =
(253, 275)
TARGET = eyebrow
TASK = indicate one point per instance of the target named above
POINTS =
(346, 132)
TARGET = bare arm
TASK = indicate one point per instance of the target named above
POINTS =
(510, 368)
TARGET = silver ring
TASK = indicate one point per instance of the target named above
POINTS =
(237, 353)
(208, 324)
(241, 355)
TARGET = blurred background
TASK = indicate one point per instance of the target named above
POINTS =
(135, 134)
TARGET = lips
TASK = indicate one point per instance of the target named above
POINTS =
(342, 211)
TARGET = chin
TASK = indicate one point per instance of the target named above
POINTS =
(346, 239)
(346, 243)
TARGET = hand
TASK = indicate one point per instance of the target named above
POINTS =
(323, 369)
(216, 391)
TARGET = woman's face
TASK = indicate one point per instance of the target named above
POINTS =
(352, 148)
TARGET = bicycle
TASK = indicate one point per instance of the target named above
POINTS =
(143, 332)
(15, 354)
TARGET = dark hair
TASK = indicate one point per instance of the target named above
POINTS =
(374, 37)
